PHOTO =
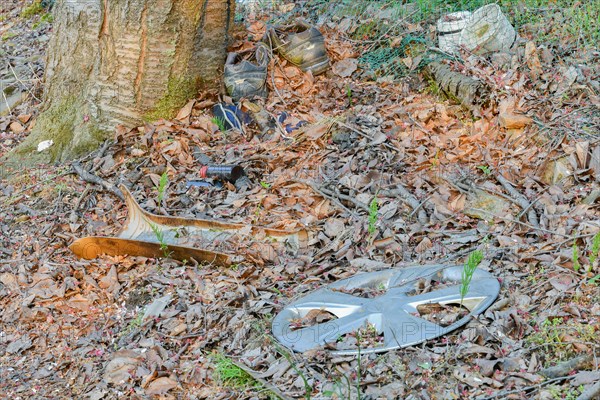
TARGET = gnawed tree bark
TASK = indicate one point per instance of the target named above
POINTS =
(116, 62)
(468, 91)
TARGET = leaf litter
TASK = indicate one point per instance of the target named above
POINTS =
(134, 326)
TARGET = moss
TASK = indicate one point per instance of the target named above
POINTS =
(32, 9)
(63, 124)
(94, 139)
(46, 18)
(179, 91)
(8, 35)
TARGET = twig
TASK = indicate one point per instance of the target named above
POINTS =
(409, 199)
(43, 181)
(591, 393)
(6, 101)
(91, 178)
(363, 134)
(350, 199)
(564, 368)
(273, 69)
(22, 84)
(327, 196)
(522, 223)
(519, 198)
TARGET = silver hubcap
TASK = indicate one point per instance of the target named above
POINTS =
(392, 312)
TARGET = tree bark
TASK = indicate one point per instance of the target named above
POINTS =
(116, 62)
(468, 91)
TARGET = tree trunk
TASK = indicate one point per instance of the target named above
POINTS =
(116, 62)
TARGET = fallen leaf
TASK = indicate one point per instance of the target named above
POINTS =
(160, 386)
(345, 68)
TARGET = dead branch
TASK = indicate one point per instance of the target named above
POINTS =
(593, 392)
(564, 368)
(530, 389)
(91, 178)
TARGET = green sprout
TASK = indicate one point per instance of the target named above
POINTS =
(575, 258)
(487, 171)
(160, 236)
(265, 185)
(162, 185)
(219, 122)
(469, 268)
(349, 95)
(230, 374)
(373, 211)
(595, 249)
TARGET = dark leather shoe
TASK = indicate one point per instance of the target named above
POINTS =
(301, 44)
(247, 77)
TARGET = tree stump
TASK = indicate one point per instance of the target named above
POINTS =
(123, 62)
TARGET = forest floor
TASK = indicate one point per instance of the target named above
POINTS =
(388, 172)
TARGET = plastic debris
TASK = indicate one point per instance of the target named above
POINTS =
(487, 30)
(229, 173)
(449, 28)
(44, 145)
(389, 304)
(231, 116)
(150, 235)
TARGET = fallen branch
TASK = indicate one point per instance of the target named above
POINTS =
(91, 178)
(505, 393)
(514, 193)
(514, 221)
(591, 393)
(564, 368)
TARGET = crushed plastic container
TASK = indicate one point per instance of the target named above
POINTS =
(449, 28)
(488, 31)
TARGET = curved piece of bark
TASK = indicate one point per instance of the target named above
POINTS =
(120, 61)
(469, 91)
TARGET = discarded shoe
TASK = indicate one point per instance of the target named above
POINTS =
(247, 77)
(302, 45)
(231, 116)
